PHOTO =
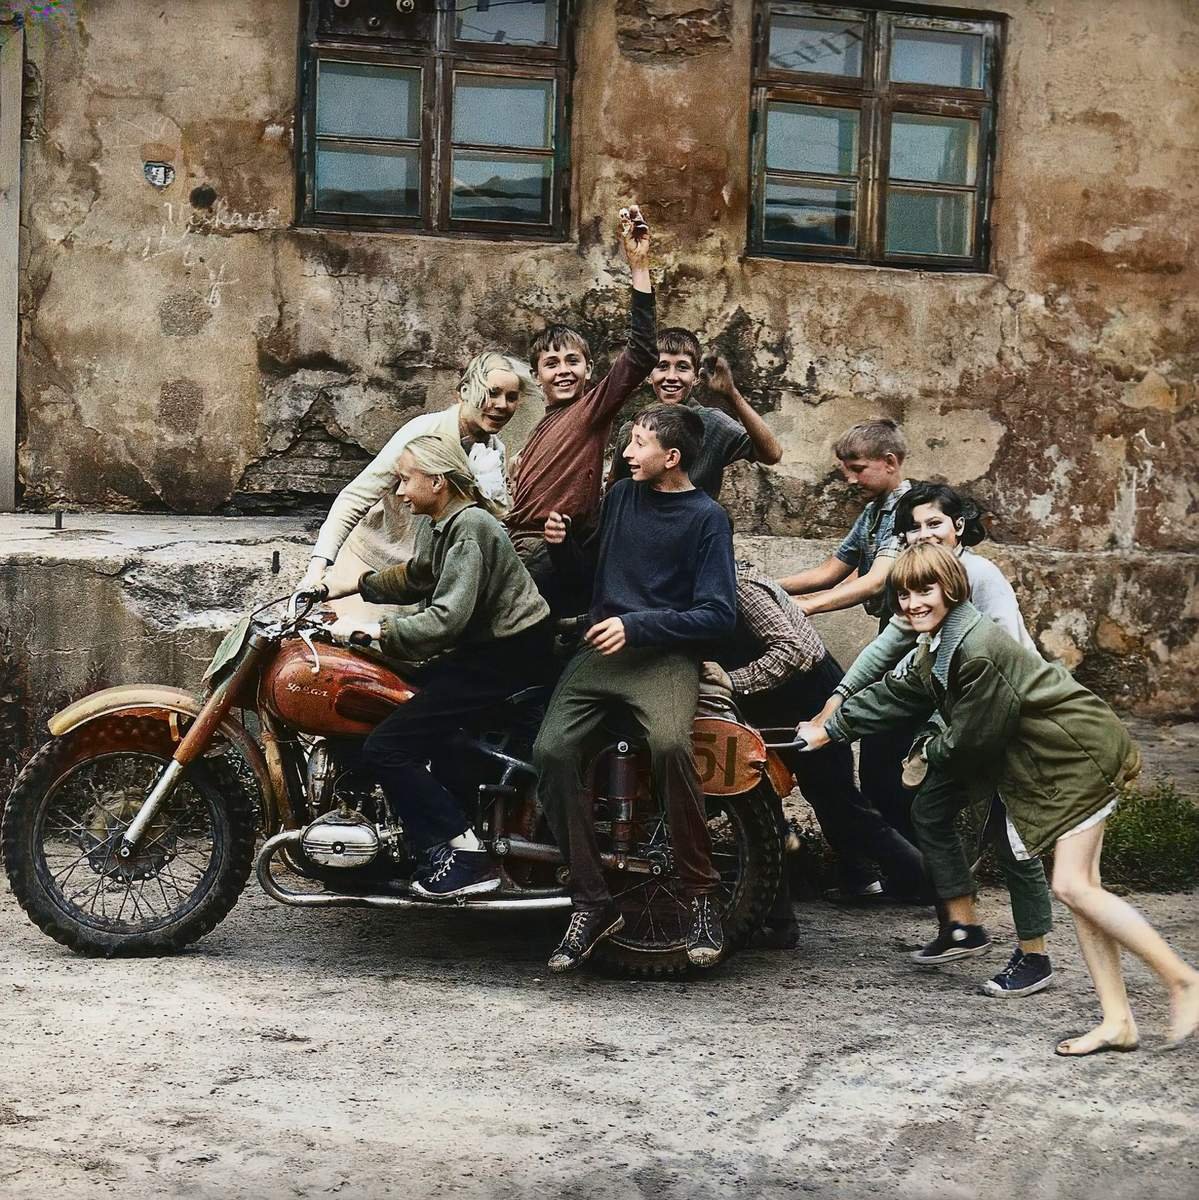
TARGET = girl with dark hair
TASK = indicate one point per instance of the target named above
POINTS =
(934, 513)
(1058, 755)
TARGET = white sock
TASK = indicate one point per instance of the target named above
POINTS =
(466, 841)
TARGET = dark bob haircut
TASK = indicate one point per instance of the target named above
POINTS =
(943, 498)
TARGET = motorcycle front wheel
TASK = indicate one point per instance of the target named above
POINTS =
(747, 853)
(63, 825)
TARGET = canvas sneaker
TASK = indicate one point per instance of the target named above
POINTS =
(1023, 975)
(587, 928)
(953, 942)
(705, 938)
(453, 873)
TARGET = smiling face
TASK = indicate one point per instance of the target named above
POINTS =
(673, 378)
(562, 371)
(930, 524)
(925, 607)
(648, 462)
(422, 493)
(873, 477)
(499, 405)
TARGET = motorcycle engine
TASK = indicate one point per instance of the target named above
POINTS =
(341, 840)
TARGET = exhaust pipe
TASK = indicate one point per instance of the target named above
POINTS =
(290, 839)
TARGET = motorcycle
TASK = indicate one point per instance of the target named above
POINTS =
(134, 829)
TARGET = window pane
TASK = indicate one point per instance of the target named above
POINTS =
(930, 222)
(934, 149)
(934, 56)
(373, 180)
(490, 110)
(810, 44)
(362, 100)
(508, 22)
(501, 187)
(813, 214)
(805, 138)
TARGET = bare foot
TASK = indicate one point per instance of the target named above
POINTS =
(1184, 1012)
(1101, 1038)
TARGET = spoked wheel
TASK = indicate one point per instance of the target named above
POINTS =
(747, 853)
(63, 827)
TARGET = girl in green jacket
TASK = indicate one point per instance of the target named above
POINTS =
(1055, 753)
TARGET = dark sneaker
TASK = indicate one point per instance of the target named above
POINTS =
(457, 873)
(587, 928)
(953, 942)
(705, 938)
(870, 893)
(1023, 975)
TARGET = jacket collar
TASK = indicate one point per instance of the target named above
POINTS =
(959, 623)
(457, 506)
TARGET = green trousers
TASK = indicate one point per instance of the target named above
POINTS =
(934, 812)
(659, 687)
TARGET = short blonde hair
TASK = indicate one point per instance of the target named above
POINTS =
(871, 439)
(472, 387)
(928, 563)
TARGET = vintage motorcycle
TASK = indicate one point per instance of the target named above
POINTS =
(134, 830)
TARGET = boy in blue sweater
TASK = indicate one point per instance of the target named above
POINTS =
(664, 589)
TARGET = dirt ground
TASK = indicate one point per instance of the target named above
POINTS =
(305, 1053)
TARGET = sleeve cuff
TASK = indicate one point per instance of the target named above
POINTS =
(835, 730)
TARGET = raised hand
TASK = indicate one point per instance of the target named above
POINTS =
(716, 374)
(634, 237)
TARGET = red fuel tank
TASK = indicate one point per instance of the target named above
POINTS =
(348, 696)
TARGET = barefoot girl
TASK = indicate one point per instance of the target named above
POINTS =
(1056, 754)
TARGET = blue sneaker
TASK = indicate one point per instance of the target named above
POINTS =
(452, 873)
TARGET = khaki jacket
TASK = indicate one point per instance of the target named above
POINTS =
(1015, 723)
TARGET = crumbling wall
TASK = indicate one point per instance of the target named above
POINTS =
(189, 349)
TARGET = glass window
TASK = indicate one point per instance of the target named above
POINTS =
(935, 57)
(507, 22)
(446, 116)
(854, 162)
(813, 44)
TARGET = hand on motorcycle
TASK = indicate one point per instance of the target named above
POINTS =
(344, 628)
(830, 706)
(556, 528)
(607, 636)
(314, 577)
(715, 679)
(813, 734)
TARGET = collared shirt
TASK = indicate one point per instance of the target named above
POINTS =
(790, 643)
(872, 537)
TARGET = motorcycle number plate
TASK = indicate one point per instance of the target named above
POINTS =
(729, 758)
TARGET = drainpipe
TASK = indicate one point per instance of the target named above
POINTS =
(12, 66)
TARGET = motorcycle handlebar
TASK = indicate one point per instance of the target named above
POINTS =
(793, 742)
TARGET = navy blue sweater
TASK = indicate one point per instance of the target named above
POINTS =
(663, 565)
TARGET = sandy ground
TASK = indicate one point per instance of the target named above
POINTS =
(308, 1054)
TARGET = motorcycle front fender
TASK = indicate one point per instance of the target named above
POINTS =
(156, 700)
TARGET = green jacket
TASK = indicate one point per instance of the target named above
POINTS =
(1015, 723)
(471, 587)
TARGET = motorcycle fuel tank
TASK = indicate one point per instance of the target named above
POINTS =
(347, 696)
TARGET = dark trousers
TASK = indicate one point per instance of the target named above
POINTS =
(856, 832)
(934, 811)
(880, 771)
(660, 688)
(466, 681)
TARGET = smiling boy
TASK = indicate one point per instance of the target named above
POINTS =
(664, 588)
(561, 465)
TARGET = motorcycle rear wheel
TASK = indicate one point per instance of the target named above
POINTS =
(747, 852)
(63, 824)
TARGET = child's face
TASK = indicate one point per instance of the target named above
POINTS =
(416, 489)
(930, 524)
(648, 462)
(562, 371)
(924, 607)
(673, 378)
(503, 395)
(873, 477)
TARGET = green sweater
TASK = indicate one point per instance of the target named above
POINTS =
(464, 574)
(1015, 723)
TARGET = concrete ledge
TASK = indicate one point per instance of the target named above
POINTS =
(128, 598)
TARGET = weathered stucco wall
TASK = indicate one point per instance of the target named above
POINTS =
(189, 350)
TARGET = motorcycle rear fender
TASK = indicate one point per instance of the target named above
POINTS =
(155, 700)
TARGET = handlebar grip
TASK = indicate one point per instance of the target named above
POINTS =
(358, 638)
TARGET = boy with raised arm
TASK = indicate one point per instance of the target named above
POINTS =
(726, 440)
(560, 468)
(664, 588)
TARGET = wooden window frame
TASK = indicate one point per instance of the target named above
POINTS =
(877, 99)
(439, 60)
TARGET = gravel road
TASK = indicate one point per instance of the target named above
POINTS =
(303, 1054)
